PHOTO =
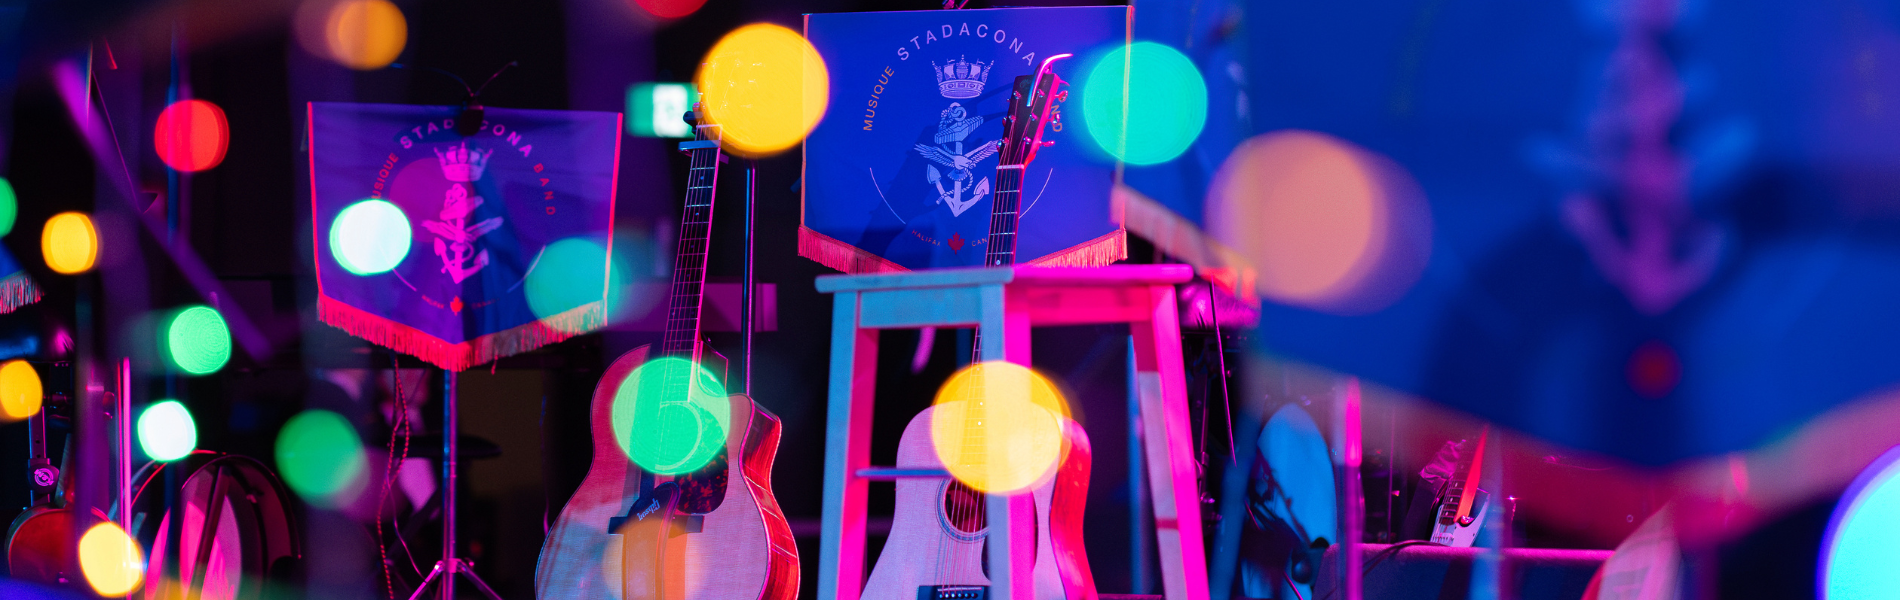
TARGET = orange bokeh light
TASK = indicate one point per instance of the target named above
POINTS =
(360, 34)
(1326, 224)
(191, 135)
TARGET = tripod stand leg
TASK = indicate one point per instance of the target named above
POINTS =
(423, 587)
(468, 570)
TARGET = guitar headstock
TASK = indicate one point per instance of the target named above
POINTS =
(1029, 108)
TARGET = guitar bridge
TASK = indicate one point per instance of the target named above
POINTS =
(953, 592)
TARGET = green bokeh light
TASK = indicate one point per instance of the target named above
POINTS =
(9, 207)
(321, 458)
(654, 109)
(569, 274)
(167, 431)
(1166, 106)
(197, 340)
(370, 237)
(1859, 556)
(671, 433)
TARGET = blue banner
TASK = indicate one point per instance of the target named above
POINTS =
(899, 174)
(528, 197)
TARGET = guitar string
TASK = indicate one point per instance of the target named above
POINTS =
(961, 513)
(999, 251)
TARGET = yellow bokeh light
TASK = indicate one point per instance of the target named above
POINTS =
(365, 34)
(111, 560)
(766, 88)
(70, 243)
(998, 427)
(19, 391)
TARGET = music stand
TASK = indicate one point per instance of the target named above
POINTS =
(450, 565)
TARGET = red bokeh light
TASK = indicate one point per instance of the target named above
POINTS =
(191, 135)
(1654, 370)
(670, 9)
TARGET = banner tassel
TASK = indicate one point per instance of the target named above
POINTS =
(17, 290)
(459, 357)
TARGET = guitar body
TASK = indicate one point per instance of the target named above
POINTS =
(937, 537)
(40, 547)
(742, 550)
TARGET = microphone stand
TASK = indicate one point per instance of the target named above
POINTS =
(748, 277)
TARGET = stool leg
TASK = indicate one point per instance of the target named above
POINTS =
(1012, 544)
(847, 449)
(1162, 384)
(1004, 331)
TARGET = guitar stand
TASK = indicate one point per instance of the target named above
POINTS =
(450, 565)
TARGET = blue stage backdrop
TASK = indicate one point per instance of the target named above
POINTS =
(899, 174)
(1767, 145)
(509, 229)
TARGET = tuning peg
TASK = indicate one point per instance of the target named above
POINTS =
(1062, 96)
(1047, 144)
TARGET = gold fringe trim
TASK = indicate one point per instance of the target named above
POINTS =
(830, 252)
(18, 290)
(459, 357)
(1108, 249)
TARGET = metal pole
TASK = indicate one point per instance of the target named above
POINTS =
(750, 277)
(449, 433)
(124, 456)
(1346, 429)
(1138, 514)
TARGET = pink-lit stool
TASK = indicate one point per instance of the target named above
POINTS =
(1004, 303)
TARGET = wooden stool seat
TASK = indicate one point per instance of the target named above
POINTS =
(1004, 303)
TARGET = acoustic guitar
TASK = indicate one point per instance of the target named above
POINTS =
(673, 529)
(936, 548)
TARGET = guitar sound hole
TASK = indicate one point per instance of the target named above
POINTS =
(963, 508)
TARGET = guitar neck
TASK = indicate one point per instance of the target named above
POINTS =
(1005, 211)
(695, 236)
(1000, 249)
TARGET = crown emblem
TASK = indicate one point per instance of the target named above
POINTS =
(461, 165)
(961, 79)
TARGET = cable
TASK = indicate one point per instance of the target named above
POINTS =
(1226, 398)
(1292, 586)
(392, 469)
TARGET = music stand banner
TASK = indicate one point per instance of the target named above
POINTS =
(482, 213)
(898, 176)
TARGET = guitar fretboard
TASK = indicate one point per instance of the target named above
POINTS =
(689, 259)
(1000, 250)
(1020, 133)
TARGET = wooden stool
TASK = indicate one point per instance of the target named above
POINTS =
(1003, 303)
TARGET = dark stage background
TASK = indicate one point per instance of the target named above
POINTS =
(248, 219)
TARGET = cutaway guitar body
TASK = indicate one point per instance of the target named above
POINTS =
(741, 548)
(937, 530)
